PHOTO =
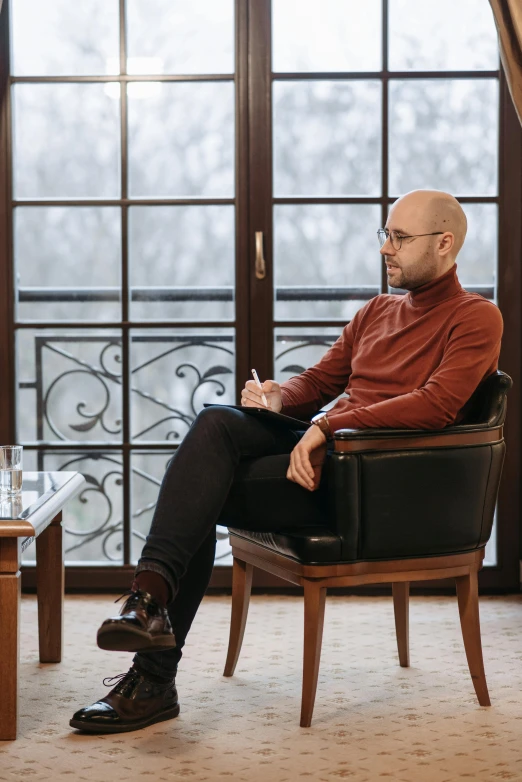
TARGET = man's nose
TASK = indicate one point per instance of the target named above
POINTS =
(387, 248)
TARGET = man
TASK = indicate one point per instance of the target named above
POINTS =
(408, 361)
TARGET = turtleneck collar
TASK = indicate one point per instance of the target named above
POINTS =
(437, 290)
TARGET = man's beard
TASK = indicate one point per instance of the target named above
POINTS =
(414, 278)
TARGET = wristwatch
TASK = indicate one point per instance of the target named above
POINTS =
(321, 420)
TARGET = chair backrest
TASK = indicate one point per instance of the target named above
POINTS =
(487, 405)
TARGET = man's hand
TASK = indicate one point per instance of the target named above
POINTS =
(251, 395)
(307, 458)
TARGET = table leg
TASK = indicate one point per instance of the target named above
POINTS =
(50, 590)
(10, 594)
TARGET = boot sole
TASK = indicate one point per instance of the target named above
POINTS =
(87, 727)
(125, 638)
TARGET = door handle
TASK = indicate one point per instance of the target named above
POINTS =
(260, 259)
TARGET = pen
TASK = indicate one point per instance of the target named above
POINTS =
(256, 378)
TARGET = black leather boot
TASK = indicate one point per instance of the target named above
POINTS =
(142, 626)
(138, 699)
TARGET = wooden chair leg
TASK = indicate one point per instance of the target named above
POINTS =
(10, 598)
(467, 595)
(241, 589)
(314, 604)
(50, 591)
(401, 604)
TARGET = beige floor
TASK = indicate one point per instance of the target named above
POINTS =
(372, 720)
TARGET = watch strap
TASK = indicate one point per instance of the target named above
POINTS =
(324, 425)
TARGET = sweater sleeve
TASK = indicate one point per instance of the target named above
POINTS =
(304, 394)
(471, 354)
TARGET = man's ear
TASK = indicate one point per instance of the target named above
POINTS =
(446, 242)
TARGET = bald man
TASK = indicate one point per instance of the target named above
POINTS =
(407, 361)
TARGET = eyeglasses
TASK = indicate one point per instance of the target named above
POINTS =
(396, 238)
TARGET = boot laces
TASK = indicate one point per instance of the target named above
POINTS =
(128, 594)
(120, 678)
(134, 596)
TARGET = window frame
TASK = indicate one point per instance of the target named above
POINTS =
(254, 209)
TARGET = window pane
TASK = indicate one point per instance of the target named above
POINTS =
(66, 140)
(92, 521)
(69, 386)
(60, 37)
(67, 262)
(335, 35)
(477, 261)
(447, 35)
(174, 249)
(181, 139)
(328, 247)
(296, 349)
(327, 138)
(444, 135)
(173, 36)
(174, 374)
(491, 557)
(148, 470)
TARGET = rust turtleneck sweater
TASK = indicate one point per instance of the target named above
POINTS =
(406, 361)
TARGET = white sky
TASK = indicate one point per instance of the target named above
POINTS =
(307, 35)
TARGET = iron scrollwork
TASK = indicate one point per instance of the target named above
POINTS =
(102, 376)
(105, 369)
(107, 378)
(184, 370)
(106, 534)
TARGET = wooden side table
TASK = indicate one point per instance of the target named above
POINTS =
(34, 514)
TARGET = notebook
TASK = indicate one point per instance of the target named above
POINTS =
(270, 415)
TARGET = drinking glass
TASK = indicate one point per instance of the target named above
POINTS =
(10, 469)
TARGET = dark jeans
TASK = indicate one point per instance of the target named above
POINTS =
(198, 491)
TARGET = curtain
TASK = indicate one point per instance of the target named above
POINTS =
(508, 18)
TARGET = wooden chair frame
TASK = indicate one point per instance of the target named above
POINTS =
(317, 578)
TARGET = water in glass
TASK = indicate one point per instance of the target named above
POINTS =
(10, 469)
(10, 481)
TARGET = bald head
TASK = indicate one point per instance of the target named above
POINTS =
(434, 225)
(435, 210)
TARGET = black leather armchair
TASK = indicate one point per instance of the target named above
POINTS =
(403, 505)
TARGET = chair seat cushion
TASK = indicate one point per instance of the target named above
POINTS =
(308, 545)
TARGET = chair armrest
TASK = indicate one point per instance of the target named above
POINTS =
(399, 493)
(350, 440)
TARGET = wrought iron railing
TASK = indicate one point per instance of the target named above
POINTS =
(67, 415)
(33, 295)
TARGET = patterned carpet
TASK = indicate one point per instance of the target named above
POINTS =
(373, 720)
